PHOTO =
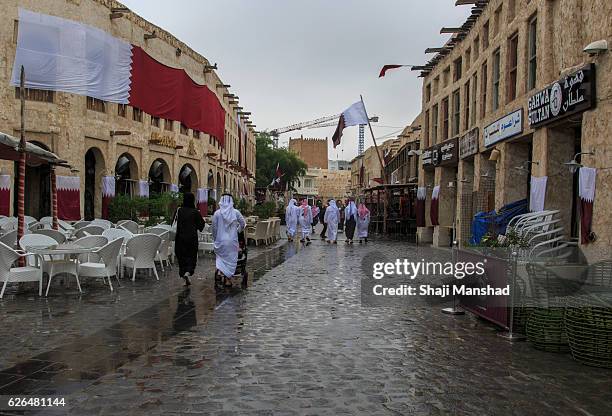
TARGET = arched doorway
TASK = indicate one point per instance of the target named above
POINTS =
(126, 172)
(188, 179)
(37, 196)
(159, 176)
(94, 166)
(211, 179)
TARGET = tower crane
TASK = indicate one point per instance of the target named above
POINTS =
(315, 124)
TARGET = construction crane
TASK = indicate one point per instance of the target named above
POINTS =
(315, 124)
(299, 126)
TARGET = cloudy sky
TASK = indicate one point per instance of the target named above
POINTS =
(291, 61)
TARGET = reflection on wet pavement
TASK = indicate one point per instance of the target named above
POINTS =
(75, 365)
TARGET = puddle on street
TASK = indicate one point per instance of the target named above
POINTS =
(74, 366)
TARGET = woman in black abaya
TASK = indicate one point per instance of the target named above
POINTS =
(188, 223)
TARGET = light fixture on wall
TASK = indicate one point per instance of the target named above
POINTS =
(494, 155)
(573, 164)
(596, 48)
(525, 165)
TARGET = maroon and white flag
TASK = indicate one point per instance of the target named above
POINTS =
(435, 204)
(68, 198)
(202, 201)
(385, 68)
(108, 193)
(352, 116)
(5, 195)
(420, 206)
(586, 192)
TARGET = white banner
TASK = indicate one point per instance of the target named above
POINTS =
(63, 55)
(143, 189)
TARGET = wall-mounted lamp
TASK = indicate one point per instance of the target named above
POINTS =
(152, 35)
(208, 68)
(494, 155)
(524, 166)
(114, 133)
(573, 165)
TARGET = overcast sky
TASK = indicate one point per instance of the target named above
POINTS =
(291, 61)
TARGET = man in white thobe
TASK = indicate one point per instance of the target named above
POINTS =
(291, 219)
(332, 216)
(305, 220)
(227, 222)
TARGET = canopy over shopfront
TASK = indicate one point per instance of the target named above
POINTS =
(35, 156)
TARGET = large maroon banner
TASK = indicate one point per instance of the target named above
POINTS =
(170, 93)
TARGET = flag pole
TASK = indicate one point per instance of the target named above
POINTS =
(22, 160)
(382, 167)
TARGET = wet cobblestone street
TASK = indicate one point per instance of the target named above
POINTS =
(296, 342)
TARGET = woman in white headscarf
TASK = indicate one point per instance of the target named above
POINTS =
(350, 221)
(332, 216)
(227, 222)
(305, 220)
(291, 219)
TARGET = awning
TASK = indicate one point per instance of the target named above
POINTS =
(9, 150)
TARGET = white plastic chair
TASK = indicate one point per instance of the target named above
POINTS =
(90, 241)
(140, 253)
(107, 266)
(125, 236)
(249, 232)
(10, 274)
(81, 224)
(205, 242)
(129, 225)
(162, 252)
(157, 230)
(10, 238)
(89, 230)
(52, 265)
(261, 232)
(105, 224)
(54, 234)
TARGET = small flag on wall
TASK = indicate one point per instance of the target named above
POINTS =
(586, 192)
(5, 195)
(68, 198)
(435, 204)
(420, 206)
(202, 197)
(108, 193)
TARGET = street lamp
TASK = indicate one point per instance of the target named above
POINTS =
(573, 165)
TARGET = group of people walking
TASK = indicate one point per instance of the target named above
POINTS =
(302, 219)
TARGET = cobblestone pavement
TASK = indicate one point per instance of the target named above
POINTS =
(298, 342)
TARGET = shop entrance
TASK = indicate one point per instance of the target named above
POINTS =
(37, 197)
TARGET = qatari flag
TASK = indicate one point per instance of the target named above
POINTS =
(352, 116)
(108, 193)
(586, 192)
(5, 195)
(420, 206)
(202, 201)
(68, 198)
(385, 68)
(64, 55)
(435, 204)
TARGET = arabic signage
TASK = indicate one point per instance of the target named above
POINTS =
(504, 128)
(441, 154)
(162, 140)
(468, 144)
(570, 95)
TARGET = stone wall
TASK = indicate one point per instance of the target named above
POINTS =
(313, 151)
(69, 129)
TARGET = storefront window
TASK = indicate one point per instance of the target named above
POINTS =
(533, 63)
(496, 69)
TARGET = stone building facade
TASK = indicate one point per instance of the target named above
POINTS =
(313, 151)
(78, 128)
(515, 96)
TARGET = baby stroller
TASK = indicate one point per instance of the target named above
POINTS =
(241, 266)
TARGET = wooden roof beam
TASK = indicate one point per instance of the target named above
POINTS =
(452, 30)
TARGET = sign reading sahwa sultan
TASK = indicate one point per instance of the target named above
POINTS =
(567, 96)
(468, 144)
(162, 140)
(504, 128)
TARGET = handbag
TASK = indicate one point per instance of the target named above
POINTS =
(174, 225)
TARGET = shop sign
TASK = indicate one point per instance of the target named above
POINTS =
(441, 154)
(504, 128)
(162, 140)
(468, 144)
(570, 95)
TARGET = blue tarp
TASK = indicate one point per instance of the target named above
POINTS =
(496, 221)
